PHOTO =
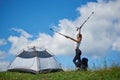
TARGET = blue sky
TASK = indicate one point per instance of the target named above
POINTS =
(28, 21)
(36, 16)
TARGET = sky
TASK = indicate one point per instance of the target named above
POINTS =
(26, 23)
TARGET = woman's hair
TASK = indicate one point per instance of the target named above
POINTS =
(79, 35)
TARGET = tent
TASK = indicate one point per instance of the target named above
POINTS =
(35, 60)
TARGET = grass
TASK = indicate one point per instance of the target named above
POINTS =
(105, 74)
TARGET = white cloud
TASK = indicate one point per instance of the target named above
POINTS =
(23, 33)
(100, 33)
(18, 43)
(2, 54)
(116, 44)
(3, 65)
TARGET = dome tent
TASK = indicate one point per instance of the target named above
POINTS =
(35, 60)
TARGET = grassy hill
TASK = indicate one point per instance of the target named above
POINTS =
(106, 74)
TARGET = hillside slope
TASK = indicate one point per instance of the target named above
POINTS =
(107, 74)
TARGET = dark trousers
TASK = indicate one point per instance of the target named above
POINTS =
(77, 58)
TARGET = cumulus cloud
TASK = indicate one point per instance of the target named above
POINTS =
(23, 33)
(19, 42)
(116, 44)
(2, 53)
(101, 29)
(3, 65)
(53, 43)
(100, 33)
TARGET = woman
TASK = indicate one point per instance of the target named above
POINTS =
(77, 58)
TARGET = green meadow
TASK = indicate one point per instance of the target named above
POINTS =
(103, 74)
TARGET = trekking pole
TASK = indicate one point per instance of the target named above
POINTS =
(59, 33)
(79, 28)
